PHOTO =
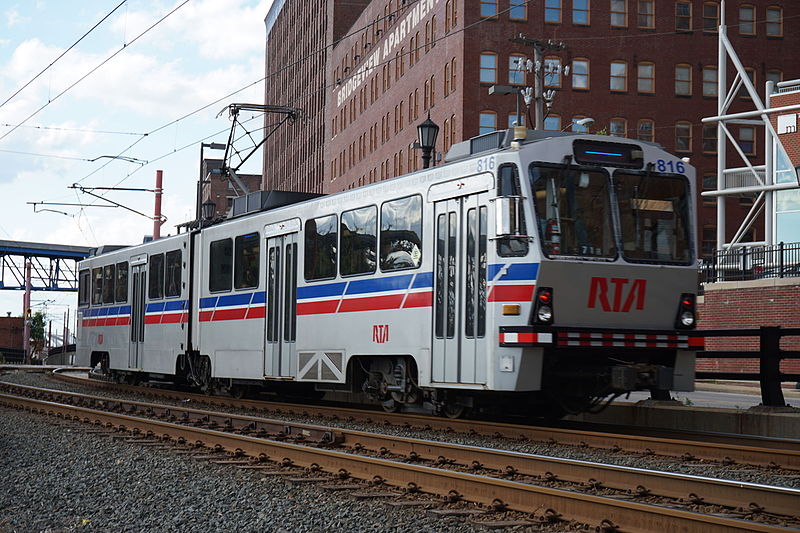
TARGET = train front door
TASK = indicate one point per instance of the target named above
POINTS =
(138, 305)
(281, 319)
(459, 303)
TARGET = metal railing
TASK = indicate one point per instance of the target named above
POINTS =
(769, 355)
(744, 263)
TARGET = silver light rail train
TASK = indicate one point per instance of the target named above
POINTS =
(541, 274)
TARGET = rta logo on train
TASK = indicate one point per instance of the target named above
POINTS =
(380, 333)
(598, 293)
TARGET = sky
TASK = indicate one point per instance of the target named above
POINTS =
(157, 84)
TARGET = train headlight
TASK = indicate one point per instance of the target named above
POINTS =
(687, 315)
(687, 319)
(544, 314)
(543, 310)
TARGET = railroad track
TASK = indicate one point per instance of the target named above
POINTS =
(606, 496)
(725, 449)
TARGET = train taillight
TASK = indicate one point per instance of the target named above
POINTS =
(687, 315)
(543, 312)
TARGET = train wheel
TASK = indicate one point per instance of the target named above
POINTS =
(453, 410)
(390, 406)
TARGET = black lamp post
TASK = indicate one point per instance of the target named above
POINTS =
(209, 208)
(426, 135)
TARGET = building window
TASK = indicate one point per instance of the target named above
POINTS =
(646, 77)
(552, 72)
(446, 90)
(645, 130)
(710, 184)
(747, 139)
(683, 80)
(709, 139)
(580, 12)
(516, 72)
(320, 247)
(619, 76)
(552, 123)
(433, 95)
(619, 13)
(488, 8)
(617, 127)
(683, 16)
(518, 10)
(709, 243)
(488, 67)
(747, 20)
(453, 139)
(710, 17)
(647, 14)
(775, 76)
(710, 81)
(683, 137)
(552, 11)
(579, 128)
(512, 120)
(774, 21)
(453, 75)
(488, 122)
(580, 74)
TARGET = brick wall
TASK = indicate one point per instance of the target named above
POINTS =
(749, 304)
(11, 332)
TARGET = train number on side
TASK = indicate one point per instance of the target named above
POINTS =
(670, 166)
(485, 163)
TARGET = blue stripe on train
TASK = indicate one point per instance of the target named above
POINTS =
(515, 272)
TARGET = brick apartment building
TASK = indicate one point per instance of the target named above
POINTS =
(222, 190)
(640, 68)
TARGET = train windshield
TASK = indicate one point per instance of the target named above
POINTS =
(654, 217)
(573, 211)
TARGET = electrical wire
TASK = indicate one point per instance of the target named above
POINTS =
(73, 45)
(93, 70)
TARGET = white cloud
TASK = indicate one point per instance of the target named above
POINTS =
(220, 29)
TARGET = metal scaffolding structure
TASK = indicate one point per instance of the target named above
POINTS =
(748, 179)
(53, 266)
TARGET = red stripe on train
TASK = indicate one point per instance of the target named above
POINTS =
(371, 303)
(317, 308)
(419, 299)
(511, 293)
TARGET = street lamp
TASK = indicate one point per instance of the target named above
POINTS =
(426, 135)
(582, 123)
(212, 146)
(209, 208)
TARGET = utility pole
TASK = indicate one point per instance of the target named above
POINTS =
(539, 48)
(26, 314)
(157, 219)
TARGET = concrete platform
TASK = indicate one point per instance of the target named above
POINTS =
(780, 422)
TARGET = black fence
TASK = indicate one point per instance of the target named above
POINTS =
(769, 355)
(752, 262)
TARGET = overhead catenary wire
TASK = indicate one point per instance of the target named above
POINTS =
(93, 70)
(53, 62)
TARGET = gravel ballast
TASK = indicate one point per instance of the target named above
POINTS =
(78, 481)
(58, 478)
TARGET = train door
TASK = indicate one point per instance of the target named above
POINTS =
(281, 319)
(138, 305)
(459, 307)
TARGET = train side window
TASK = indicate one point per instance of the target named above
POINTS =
(84, 288)
(97, 286)
(359, 241)
(172, 285)
(155, 285)
(401, 233)
(220, 265)
(245, 269)
(108, 284)
(121, 291)
(508, 185)
(320, 248)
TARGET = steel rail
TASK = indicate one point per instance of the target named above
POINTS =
(783, 453)
(694, 489)
(627, 515)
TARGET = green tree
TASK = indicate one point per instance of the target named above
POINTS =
(37, 326)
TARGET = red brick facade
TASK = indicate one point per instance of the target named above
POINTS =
(749, 304)
(11, 329)
(378, 99)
